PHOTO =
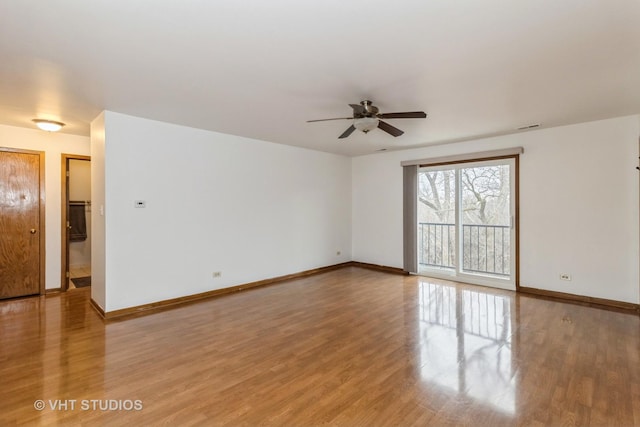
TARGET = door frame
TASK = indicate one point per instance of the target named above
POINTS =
(64, 264)
(42, 216)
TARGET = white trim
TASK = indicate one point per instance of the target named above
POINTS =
(469, 280)
(464, 157)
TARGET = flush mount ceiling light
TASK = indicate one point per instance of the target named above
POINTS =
(48, 125)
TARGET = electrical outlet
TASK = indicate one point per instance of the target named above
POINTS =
(565, 276)
(217, 274)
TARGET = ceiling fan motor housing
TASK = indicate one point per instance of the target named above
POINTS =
(369, 108)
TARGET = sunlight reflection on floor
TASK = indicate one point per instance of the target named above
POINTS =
(466, 345)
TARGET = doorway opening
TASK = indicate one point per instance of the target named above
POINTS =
(466, 222)
(76, 221)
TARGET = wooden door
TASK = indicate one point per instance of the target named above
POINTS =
(21, 223)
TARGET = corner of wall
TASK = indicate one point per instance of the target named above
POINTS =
(98, 279)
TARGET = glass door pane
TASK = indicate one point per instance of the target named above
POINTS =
(485, 218)
(437, 220)
(465, 222)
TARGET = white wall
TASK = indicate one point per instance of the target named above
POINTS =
(214, 202)
(80, 190)
(586, 172)
(53, 144)
(98, 239)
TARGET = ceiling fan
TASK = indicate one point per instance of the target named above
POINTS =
(366, 118)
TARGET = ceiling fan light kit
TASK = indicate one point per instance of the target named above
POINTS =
(366, 118)
(365, 124)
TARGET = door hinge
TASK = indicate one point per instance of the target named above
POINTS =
(67, 274)
(67, 173)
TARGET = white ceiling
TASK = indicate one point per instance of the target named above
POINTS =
(260, 68)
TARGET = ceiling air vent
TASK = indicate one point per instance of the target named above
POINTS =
(529, 126)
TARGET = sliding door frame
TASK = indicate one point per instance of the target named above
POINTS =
(484, 157)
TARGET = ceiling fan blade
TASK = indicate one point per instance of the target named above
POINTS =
(391, 130)
(347, 132)
(324, 120)
(358, 110)
(406, 115)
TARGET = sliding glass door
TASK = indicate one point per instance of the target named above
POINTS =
(466, 226)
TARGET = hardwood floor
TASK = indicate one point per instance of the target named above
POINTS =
(350, 347)
(78, 271)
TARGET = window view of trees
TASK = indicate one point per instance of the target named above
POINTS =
(485, 195)
(436, 196)
(486, 218)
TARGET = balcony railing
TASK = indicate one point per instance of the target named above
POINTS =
(485, 248)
